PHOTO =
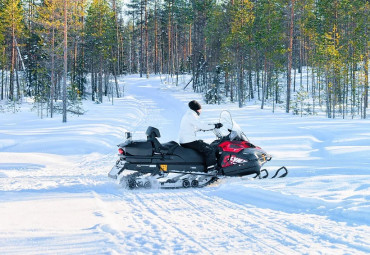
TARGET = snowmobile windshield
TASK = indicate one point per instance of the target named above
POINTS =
(237, 133)
(230, 127)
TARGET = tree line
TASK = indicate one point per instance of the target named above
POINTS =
(307, 56)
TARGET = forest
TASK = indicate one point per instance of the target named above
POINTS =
(305, 56)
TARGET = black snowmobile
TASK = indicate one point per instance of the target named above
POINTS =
(147, 163)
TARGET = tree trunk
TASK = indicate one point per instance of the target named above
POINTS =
(177, 54)
(114, 68)
(92, 82)
(366, 96)
(241, 84)
(2, 74)
(106, 84)
(227, 85)
(155, 39)
(264, 83)
(75, 54)
(116, 82)
(12, 66)
(250, 80)
(141, 39)
(65, 63)
(294, 78)
(232, 89)
(290, 51)
(146, 41)
(117, 38)
(100, 80)
(198, 53)
(169, 28)
(17, 77)
(258, 77)
(52, 73)
(313, 90)
(300, 71)
(190, 42)
(133, 48)
(240, 61)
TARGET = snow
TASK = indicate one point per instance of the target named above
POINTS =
(56, 198)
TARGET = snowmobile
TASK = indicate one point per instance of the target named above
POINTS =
(148, 163)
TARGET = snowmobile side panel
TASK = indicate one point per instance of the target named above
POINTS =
(164, 167)
(139, 148)
(175, 159)
(188, 155)
(251, 167)
(142, 167)
(184, 167)
(252, 153)
(138, 159)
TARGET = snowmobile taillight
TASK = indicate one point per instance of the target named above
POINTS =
(121, 151)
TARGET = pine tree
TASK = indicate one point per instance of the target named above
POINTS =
(116, 58)
(134, 10)
(201, 9)
(269, 35)
(240, 38)
(49, 17)
(77, 37)
(13, 23)
(217, 31)
(100, 34)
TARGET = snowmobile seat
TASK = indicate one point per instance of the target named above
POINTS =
(165, 148)
(169, 147)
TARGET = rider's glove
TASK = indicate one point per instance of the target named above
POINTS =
(218, 125)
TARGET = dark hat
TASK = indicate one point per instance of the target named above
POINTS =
(194, 105)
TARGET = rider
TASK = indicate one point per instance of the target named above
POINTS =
(190, 124)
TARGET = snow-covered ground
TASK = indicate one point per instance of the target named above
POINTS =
(56, 198)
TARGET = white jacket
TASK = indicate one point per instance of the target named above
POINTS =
(190, 124)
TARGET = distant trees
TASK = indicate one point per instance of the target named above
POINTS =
(285, 53)
(49, 25)
(100, 39)
(12, 26)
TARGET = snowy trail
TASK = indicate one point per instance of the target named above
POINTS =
(54, 190)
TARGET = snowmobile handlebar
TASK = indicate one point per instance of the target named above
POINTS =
(216, 126)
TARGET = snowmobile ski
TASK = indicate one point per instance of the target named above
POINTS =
(264, 173)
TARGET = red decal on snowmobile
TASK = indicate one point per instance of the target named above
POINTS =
(236, 146)
(232, 160)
